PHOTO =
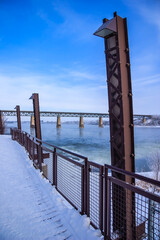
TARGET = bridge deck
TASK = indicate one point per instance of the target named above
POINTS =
(63, 114)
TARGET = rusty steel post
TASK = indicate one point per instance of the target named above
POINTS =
(115, 36)
(1, 123)
(35, 99)
(18, 117)
(121, 117)
(120, 97)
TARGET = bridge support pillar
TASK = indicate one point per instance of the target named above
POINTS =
(32, 122)
(144, 120)
(58, 122)
(81, 124)
(100, 122)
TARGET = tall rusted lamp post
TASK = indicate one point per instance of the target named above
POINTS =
(18, 117)
(35, 99)
(115, 36)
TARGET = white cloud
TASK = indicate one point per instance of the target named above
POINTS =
(149, 80)
(54, 94)
(85, 95)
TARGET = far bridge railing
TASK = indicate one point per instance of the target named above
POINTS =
(80, 115)
(66, 114)
(121, 210)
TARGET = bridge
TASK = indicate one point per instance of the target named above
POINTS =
(55, 114)
(65, 114)
(68, 114)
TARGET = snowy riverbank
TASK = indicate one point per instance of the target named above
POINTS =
(30, 207)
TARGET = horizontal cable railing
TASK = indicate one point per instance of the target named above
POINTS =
(127, 209)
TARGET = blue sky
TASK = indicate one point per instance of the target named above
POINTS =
(48, 47)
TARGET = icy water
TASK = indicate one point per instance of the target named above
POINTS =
(93, 142)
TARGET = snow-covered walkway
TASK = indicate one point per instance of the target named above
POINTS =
(30, 208)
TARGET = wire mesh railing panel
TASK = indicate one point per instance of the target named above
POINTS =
(120, 207)
(48, 162)
(95, 195)
(70, 181)
(153, 223)
(134, 214)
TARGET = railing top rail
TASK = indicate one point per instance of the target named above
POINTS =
(37, 143)
(51, 145)
(70, 160)
(47, 149)
(97, 165)
(135, 189)
(62, 149)
(134, 175)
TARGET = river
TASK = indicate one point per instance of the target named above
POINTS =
(93, 142)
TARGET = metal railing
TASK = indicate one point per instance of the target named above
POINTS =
(61, 167)
(95, 194)
(131, 211)
(127, 209)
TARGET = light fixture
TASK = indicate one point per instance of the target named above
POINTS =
(108, 27)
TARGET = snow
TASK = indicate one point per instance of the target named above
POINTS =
(30, 208)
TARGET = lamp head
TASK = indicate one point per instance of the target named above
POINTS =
(108, 27)
(16, 107)
(33, 95)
